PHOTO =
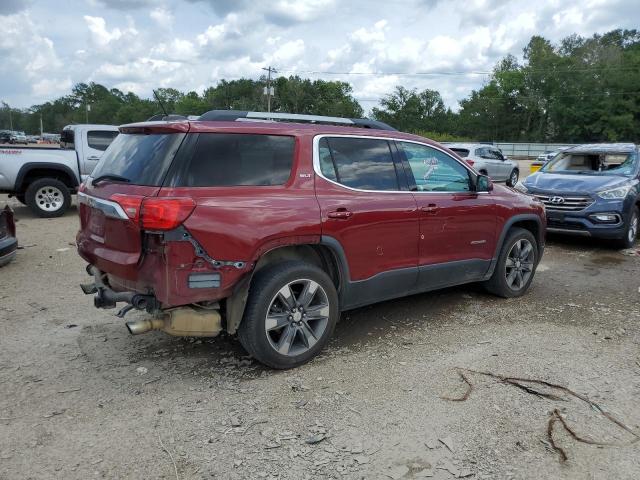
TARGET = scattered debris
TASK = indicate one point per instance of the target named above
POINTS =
(142, 370)
(71, 325)
(555, 416)
(70, 390)
(397, 471)
(317, 438)
(448, 442)
(175, 467)
(64, 249)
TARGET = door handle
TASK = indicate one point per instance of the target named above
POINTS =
(430, 209)
(340, 213)
(93, 158)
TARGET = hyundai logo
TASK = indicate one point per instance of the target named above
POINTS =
(556, 200)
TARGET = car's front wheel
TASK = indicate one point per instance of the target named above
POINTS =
(290, 314)
(513, 178)
(631, 232)
(516, 265)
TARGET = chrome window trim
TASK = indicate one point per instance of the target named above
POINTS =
(318, 171)
(109, 208)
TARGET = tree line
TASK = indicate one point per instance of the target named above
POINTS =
(579, 90)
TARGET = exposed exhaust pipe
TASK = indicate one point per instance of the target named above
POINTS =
(183, 321)
(137, 327)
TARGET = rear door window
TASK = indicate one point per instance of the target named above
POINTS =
(463, 152)
(100, 139)
(232, 159)
(142, 159)
(362, 163)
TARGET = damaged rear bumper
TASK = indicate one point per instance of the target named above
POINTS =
(180, 321)
(106, 297)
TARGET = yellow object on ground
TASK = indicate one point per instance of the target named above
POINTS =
(535, 166)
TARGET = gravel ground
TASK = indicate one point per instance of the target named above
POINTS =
(81, 398)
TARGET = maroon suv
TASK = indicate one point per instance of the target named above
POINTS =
(240, 222)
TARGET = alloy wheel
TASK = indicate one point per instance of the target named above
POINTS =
(519, 264)
(514, 178)
(633, 229)
(49, 199)
(297, 317)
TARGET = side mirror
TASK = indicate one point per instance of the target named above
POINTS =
(483, 184)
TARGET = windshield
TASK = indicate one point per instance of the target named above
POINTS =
(141, 159)
(593, 164)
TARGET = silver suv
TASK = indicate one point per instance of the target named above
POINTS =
(488, 160)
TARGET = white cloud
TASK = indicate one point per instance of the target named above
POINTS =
(162, 16)
(189, 44)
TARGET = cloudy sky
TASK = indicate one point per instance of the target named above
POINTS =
(46, 46)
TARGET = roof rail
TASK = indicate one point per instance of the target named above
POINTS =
(170, 117)
(245, 116)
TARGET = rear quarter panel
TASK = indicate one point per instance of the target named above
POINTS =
(241, 223)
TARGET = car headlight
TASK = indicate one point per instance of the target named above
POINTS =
(615, 193)
(521, 188)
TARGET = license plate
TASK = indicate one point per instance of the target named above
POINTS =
(555, 216)
(96, 222)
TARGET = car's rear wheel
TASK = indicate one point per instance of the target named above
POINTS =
(516, 265)
(513, 178)
(290, 314)
(631, 232)
(48, 197)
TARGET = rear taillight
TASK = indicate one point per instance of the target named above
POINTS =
(165, 213)
(469, 162)
(130, 204)
(155, 213)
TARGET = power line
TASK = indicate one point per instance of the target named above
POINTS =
(462, 73)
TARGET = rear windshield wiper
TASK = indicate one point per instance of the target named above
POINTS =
(110, 176)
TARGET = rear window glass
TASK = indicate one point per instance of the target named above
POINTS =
(228, 159)
(463, 152)
(100, 139)
(143, 159)
(361, 163)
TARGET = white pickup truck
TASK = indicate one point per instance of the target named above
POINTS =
(44, 178)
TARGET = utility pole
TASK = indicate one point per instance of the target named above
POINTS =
(41, 129)
(10, 118)
(269, 90)
(88, 109)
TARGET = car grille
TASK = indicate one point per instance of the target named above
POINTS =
(565, 225)
(568, 204)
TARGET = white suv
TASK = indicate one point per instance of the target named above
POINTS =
(488, 160)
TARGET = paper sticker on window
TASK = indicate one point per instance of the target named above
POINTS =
(432, 165)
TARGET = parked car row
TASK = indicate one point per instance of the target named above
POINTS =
(238, 222)
(9, 136)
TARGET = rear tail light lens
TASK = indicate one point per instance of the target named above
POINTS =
(130, 204)
(469, 162)
(165, 213)
(155, 213)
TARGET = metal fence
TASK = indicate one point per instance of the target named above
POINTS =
(529, 150)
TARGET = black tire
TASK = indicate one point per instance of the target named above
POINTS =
(498, 284)
(513, 178)
(39, 206)
(264, 289)
(629, 239)
(483, 172)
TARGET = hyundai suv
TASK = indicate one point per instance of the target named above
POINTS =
(591, 190)
(243, 223)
